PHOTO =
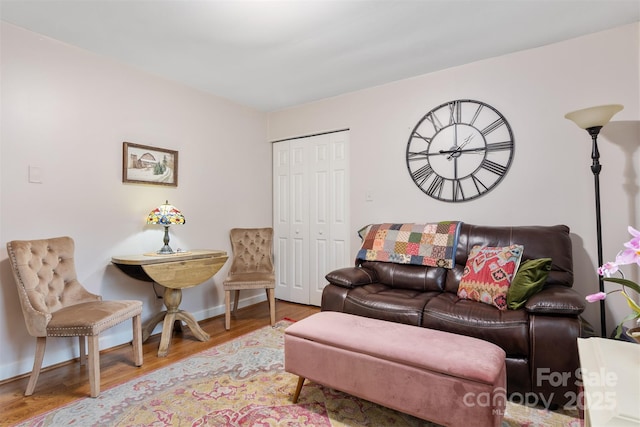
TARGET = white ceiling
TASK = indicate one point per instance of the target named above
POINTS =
(275, 54)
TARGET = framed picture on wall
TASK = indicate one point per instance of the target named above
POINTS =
(143, 164)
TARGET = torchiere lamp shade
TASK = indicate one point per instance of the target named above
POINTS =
(165, 215)
(594, 116)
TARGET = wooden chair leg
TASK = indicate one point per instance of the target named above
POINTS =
(298, 389)
(137, 340)
(236, 299)
(82, 345)
(41, 343)
(94, 365)
(271, 297)
(227, 310)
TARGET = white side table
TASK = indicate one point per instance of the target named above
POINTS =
(611, 380)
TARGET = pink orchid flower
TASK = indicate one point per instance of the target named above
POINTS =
(596, 297)
(630, 255)
(608, 269)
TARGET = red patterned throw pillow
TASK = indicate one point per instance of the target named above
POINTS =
(488, 273)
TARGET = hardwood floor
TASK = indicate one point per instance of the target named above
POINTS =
(68, 382)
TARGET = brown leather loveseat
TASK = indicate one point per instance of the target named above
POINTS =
(539, 338)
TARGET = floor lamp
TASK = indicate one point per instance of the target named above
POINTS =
(592, 120)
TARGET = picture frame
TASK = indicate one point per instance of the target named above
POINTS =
(144, 164)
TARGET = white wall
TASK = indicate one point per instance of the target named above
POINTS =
(550, 181)
(68, 112)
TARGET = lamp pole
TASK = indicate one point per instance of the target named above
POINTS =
(596, 168)
(592, 120)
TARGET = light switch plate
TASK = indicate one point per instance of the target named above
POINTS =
(35, 175)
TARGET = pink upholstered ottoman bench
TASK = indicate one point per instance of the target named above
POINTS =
(445, 378)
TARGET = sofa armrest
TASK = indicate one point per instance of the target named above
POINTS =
(556, 300)
(351, 276)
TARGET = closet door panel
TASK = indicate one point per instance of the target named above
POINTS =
(311, 184)
(281, 218)
(339, 219)
(299, 222)
(320, 203)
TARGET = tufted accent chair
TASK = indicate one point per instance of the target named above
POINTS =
(251, 268)
(55, 304)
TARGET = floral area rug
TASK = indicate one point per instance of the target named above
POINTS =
(242, 383)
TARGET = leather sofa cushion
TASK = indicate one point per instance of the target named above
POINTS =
(382, 302)
(412, 277)
(535, 239)
(556, 300)
(508, 329)
(351, 276)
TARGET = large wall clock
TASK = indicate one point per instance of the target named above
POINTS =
(460, 150)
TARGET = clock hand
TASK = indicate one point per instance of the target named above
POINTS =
(468, 150)
(457, 149)
(419, 155)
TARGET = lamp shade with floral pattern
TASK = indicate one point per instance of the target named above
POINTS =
(165, 215)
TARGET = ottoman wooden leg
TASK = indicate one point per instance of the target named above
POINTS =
(298, 389)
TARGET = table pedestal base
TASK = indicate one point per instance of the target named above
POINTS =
(170, 317)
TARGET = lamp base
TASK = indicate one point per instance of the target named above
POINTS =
(165, 250)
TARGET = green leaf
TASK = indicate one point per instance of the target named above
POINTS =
(619, 331)
(626, 319)
(623, 282)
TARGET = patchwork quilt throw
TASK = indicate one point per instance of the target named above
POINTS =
(432, 244)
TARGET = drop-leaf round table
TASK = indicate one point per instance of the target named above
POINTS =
(174, 272)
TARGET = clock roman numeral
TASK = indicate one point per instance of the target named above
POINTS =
(476, 114)
(458, 193)
(436, 187)
(434, 121)
(493, 126)
(417, 135)
(422, 174)
(478, 184)
(455, 113)
(497, 146)
(494, 167)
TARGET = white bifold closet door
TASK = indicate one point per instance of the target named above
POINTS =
(310, 213)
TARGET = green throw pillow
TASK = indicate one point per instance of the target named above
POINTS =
(530, 278)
